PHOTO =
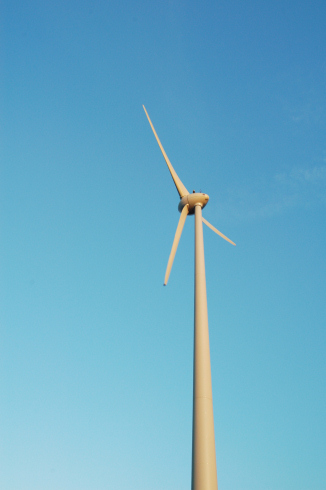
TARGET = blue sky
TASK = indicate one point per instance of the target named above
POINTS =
(96, 356)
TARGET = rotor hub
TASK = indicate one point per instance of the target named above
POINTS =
(193, 200)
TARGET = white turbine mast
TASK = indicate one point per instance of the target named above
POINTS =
(204, 475)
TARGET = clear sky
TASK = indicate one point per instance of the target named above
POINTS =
(96, 356)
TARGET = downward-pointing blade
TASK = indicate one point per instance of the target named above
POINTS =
(179, 185)
(175, 244)
(216, 231)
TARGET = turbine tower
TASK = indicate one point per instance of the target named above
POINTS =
(204, 476)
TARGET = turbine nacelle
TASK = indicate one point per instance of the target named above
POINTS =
(194, 199)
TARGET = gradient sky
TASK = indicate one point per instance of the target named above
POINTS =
(96, 356)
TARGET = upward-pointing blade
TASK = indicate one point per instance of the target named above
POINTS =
(179, 185)
(175, 244)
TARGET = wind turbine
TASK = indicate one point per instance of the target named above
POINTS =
(204, 476)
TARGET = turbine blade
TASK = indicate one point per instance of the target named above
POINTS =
(179, 185)
(216, 231)
(175, 244)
